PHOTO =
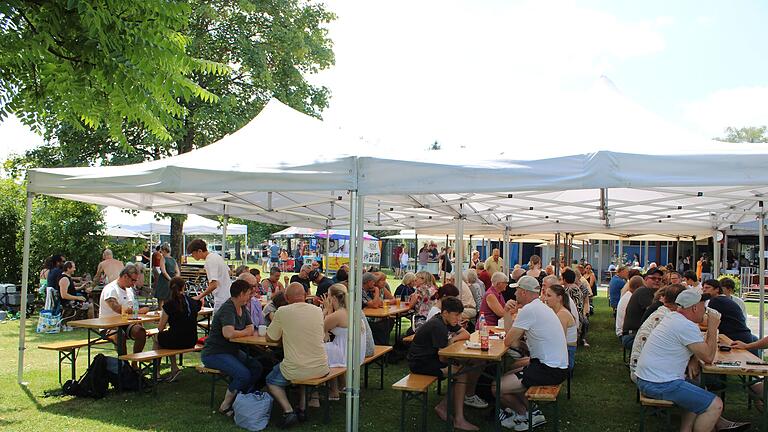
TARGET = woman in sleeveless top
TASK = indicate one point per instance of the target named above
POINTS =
(556, 298)
(168, 270)
(534, 268)
(73, 300)
(180, 314)
(335, 322)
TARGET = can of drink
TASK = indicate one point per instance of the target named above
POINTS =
(484, 341)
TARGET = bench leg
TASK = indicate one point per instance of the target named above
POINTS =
(402, 411)
(61, 360)
(557, 416)
(424, 403)
(213, 389)
(568, 384)
(326, 404)
(181, 360)
(365, 376)
(382, 365)
(530, 417)
(642, 418)
(155, 367)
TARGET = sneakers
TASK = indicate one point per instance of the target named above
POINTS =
(475, 401)
(289, 419)
(521, 422)
(505, 414)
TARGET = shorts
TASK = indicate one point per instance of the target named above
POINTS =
(687, 396)
(431, 367)
(539, 374)
(264, 259)
(106, 333)
(274, 260)
(276, 378)
(403, 266)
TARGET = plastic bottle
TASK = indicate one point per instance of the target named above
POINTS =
(481, 323)
(135, 308)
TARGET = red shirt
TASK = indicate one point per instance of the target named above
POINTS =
(485, 277)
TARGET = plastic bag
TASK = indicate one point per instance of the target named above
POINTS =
(252, 410)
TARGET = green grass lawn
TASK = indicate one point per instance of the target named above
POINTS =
(603, 397)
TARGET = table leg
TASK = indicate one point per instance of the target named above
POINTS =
(764, 425)
(89, 347)
(121, 339)
(73, 360)
(497, 420)
(449, 400)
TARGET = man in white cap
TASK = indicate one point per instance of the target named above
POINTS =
(662, 365)
(548, 353)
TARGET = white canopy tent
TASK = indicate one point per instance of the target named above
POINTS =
(311, 175)
(145, 222)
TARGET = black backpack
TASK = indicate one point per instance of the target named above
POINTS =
(93, 383)
(128, 380)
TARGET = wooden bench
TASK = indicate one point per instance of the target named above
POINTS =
(216, 376)
(322, 384)
(654, 406)
(414, 387)
(379, 360)
(543, 394)
(68, 351)
(152, 359)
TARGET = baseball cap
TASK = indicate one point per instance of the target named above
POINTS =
(653, 271)
(689, 297)
(528, 283)
(313, 274)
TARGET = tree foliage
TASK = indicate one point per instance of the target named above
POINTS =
(99, 63)
(11, 230)
(751, 134)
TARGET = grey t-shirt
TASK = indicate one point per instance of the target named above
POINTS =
(216, 343)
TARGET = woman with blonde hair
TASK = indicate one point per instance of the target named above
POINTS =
(335, 323)
(534, 268)
(406, 288)
(421, 300)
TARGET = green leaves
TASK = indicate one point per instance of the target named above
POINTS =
(97, 63)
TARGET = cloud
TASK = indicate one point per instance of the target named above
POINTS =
(738, 107)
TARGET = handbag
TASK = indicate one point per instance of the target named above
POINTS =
(49, 321)
(252, 410)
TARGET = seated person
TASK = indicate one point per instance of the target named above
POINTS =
(180, 315)
(321, 281)
(372, 297)
(661, 368)
(268, 313)
(729, 287)
(303, 277)
(732, 322)
(406, 287)
(641, 300)
(437, 333)
(254, 303)
(74, 300)
(300, 326)
(467, 299)
(117, 296)
(232, 320)
(634, 283)
(546, 342)
(272, 284)
(336, 322)
(492, 307)
(447, 290)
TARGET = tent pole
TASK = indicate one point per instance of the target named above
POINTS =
(693, 264)
(677, 254)
(354, 292)
(599, 262)
(459, 247)
(245, 249)
(557, 253)
(24, 284)
(224, 236)
(507, 261)
(715, 256)
(647, 258)
(327, 246)
(761, 272)
(621, 259)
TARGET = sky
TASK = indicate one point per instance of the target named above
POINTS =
(486, 72)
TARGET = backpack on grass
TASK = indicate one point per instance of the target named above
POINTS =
(93, 383)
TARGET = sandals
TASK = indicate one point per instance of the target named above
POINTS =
(229, 412)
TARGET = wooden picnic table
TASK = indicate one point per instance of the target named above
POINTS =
(757, 372)
(459, 351)
(393, 311)
(255, 340)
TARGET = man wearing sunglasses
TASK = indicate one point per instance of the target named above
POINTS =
(117, 296)
(640, 301)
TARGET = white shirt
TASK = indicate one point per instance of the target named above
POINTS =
(665, 354)
(621, 310)
(124, 297)
(404, 258)
(217, 270)
(544, 334)
(432, 312)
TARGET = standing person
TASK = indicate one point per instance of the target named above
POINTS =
(117, 297)
(74, 299)
(145, 255)
(423, 258)
(475, 259)
(699, 267)
(534, 268)
(494, 263)
(232, 320)
(274, 255)
(404, 258)
(300, 326)
(264, 256)
(216, 270)
(615, 285)
(169, 269)
(591, 278)
(445, 262)
(179, 313)
(547, 345)
(109, 268)
(661, 368)
(706, 268)
(440, 331)
(272, 284)
(396, 252)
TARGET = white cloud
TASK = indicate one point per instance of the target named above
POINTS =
(736, 107)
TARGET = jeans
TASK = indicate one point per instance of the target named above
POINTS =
(381, 330)
(242, 368)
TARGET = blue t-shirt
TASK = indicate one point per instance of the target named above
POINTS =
(614, 290)
(274, 251)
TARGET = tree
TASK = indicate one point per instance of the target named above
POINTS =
(271, 44)
(11, 230)
(751, 134)
(95, 63)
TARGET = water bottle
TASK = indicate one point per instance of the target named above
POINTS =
(481, 323)
(135, 308)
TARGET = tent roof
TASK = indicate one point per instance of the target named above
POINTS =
(145, 222)
(655, 177)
